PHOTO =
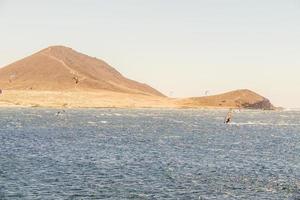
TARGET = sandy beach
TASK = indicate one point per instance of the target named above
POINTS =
(108, 99)
(80, 99)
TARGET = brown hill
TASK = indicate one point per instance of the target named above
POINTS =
(59, 68)
(61, 77)
(235, 99)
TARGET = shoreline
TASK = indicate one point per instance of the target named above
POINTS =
(101, 99)
(136, 108)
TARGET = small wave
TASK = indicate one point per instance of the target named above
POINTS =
(103, 122)
(250, 123)
(176, 121)
(35, 115)
(263, 124)
(172, 137)
(287, 124)
(284, 116)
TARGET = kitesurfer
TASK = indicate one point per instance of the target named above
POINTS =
(228, 117)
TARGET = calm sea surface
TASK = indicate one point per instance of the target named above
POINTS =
(148, 154)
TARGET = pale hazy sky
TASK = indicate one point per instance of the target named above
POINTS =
(180, 47)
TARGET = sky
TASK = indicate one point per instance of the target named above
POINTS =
(181, 47)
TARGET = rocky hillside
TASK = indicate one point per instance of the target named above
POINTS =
(59, 68)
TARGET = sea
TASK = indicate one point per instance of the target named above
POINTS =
(148, 154)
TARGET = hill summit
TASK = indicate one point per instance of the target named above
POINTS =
(59, 68)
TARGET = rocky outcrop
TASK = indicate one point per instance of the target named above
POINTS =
(263, 105)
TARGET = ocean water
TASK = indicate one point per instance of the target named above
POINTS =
(148, 154)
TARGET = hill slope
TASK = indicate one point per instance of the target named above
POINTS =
(59, 68)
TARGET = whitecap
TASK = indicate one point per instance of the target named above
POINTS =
(263, 123)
